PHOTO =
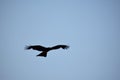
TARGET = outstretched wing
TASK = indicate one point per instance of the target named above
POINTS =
(36, 47)
(60, 46)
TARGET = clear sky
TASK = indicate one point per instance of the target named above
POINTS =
(90, 27)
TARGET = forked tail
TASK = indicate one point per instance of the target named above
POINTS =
(43, 54)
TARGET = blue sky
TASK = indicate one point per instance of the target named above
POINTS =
(90, 27)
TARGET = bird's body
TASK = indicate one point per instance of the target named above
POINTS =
(45, 49)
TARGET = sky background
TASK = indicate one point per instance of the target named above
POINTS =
(90, 27)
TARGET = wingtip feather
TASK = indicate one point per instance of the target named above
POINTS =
(27, 47)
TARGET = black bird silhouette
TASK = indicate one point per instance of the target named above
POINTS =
(45, 49)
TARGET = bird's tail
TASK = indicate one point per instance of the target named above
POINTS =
(43, 54)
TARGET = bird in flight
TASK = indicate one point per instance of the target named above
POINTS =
(45, 49)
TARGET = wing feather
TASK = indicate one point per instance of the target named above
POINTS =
(36, 47)
(60, 46)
